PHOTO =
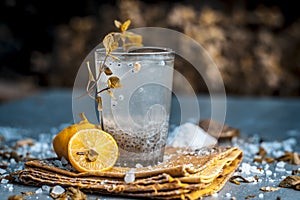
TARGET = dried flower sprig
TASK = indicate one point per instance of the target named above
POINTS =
(111, 42)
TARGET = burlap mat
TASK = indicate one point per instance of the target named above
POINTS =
(184, 175)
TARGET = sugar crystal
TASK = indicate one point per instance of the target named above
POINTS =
(129, 176)
(57, 190)
(280, 164)
(46, 188)
(191, 135)
(261, 196)
(39, 191)
(2, 171)
(4, 181)
(268, 172)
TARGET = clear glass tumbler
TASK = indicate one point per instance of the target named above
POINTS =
(138, 116)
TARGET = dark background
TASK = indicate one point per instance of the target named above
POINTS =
(256, 44)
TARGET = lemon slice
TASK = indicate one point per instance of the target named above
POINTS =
(91, 150)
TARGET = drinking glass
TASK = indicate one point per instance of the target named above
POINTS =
(138, 115)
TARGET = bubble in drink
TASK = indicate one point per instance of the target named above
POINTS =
(121, 97)
(141, 89)
(162, 63)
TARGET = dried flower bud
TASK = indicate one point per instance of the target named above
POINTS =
(114, 82)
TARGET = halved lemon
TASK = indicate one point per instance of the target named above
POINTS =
(92, 150)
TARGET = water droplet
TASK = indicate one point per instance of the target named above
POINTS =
(121, 97)
(130, 64)
(114, 103)
(141, 89)
(162, 63)
(119, 65)
(110, 64)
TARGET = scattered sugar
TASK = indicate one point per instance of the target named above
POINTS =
(129, 176)
(228, 195)
(39, 191)
(191, 135)
(279, 169)
(10, 187)
(267, 166)
(250, 179)
(280, 164)
(138, 165)
(2, 171)
(215, 195)
(245, 168)
(46, 188)
(271, 180)
(268, 172)
(261, 196)
(4, 181)
(57, 190)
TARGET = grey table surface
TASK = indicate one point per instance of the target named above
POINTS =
(270, 118)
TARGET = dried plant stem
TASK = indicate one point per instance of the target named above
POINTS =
(89, 90)
(104, 89)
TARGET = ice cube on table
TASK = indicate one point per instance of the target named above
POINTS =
(57, 190)
(192, 136)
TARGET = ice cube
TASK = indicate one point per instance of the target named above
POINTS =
(10, 187)
(138, 165)
(2, 171)
(191, 135)
(129, 176)
(268, 172)
(4, 181)
(39, 191)
(57, 190)
(46, 188)
(280, 164)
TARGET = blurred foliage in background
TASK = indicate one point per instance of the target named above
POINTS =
(255, 44)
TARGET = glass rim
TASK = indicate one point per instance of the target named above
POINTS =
(153, 50)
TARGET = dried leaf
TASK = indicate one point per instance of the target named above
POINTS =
(262, 152)
(295, 172)
(111, 94)
(28, 142)
(242, 179)
(269, 189)
(15, 197)
(269, 159)
(75, 194)
(296, 159)
(91, 77)
(125, 25)
(107, 71)
(114, 82)
(110, 43)
(117, 24)
(137, 67)
(290, 157)
(214, 127)
(250, 196)
(235, 181)
(27, 193)
(291, 182)
(257, 159)
(99, 102)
